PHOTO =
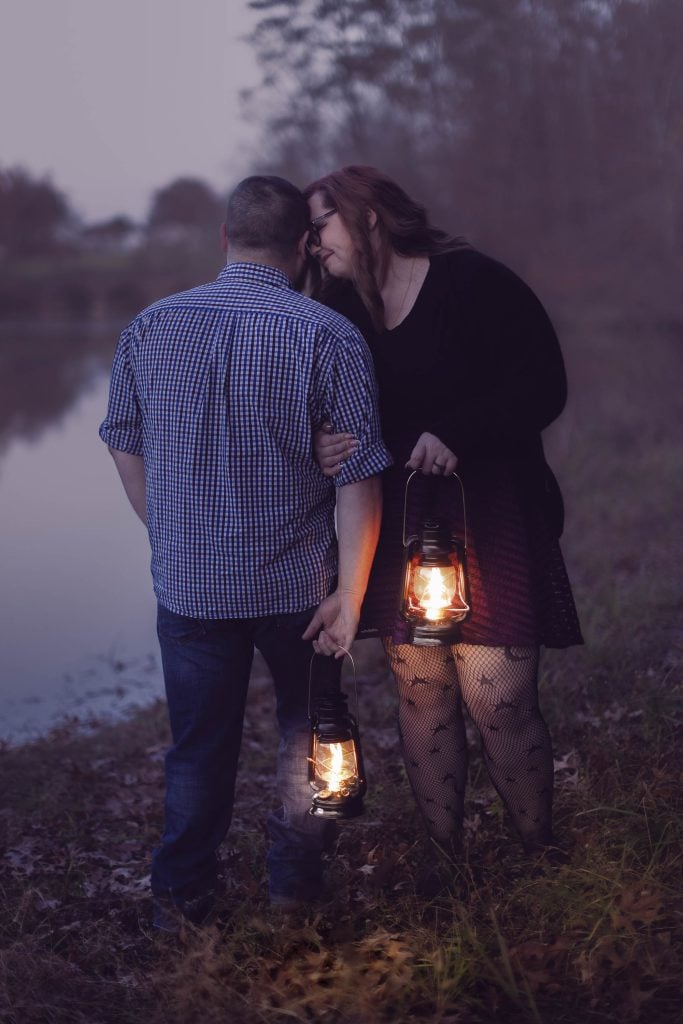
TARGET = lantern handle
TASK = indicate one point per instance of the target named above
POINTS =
(405, 508)
(310, 676)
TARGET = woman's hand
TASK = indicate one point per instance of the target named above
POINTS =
(332, 450)
(432, 456)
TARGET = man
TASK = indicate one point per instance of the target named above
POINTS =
(214, 397)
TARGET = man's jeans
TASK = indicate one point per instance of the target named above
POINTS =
(206, 665)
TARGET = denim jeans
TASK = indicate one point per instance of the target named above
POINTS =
(207, 663)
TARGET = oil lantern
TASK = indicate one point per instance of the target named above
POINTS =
(335, 765)
(435, 595)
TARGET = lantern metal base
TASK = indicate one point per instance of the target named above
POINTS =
(349, 807)
(427, 636)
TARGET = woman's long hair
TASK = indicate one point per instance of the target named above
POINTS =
(402, 224)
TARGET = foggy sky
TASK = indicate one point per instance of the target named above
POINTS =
(115, 99)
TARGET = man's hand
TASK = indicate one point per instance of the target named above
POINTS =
(359, 510)
(332, 450)
(337, 620)
(432, 456)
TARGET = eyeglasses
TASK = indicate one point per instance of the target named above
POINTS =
(315, 227)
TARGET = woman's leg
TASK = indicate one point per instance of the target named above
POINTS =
(432, 733)
(500, 689)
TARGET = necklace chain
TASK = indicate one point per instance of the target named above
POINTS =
(405, 293)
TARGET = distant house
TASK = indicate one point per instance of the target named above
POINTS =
(119, 234)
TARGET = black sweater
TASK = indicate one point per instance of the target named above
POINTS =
(477, 363)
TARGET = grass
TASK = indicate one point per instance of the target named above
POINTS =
(596, 939)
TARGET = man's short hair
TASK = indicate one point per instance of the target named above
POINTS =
(266, 214)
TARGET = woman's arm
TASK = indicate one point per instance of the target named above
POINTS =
(332, 450)
(502, 378)
(430, 455)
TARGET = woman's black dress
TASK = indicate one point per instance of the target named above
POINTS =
(477, 363)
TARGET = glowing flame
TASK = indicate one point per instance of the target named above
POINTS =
(435, 598)
(334, 772)
(336, 769)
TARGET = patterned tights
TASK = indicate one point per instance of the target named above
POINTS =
(498, 687)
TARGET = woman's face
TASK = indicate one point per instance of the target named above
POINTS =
(330, 243)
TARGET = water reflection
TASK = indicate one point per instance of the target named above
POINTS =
(44, 368)
(77, 627)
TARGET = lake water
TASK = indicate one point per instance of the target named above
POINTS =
(77, 632)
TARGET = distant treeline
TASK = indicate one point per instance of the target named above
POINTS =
(53, 265)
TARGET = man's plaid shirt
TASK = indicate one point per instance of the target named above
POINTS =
(219, 389)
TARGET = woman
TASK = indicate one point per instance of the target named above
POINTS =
(469, 372)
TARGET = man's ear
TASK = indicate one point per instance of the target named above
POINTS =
(301, 246)
(372, 218)
(224, 237)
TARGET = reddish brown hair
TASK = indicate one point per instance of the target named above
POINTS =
(402, 223)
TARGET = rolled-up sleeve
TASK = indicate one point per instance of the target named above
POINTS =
(353, 409)
(122, 427)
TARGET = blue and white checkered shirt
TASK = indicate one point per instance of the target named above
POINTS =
(219, 389)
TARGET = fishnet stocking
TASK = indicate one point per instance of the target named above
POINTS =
(498, 686)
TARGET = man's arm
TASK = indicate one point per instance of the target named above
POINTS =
(132, 472)
(359, 513)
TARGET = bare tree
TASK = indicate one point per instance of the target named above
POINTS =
(548, 130)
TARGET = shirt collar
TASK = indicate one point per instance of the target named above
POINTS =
(255, 273)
